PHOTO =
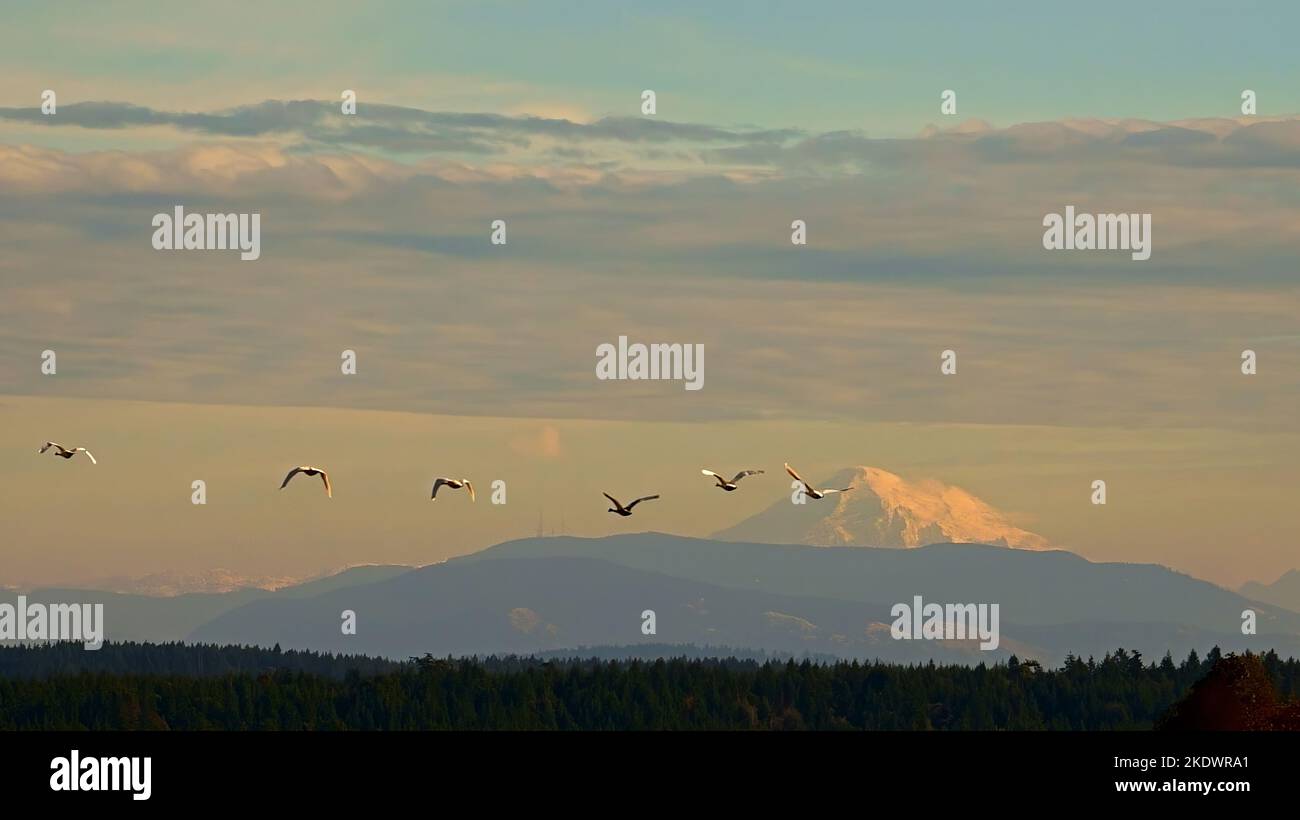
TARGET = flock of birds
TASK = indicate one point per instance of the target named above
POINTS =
(721, 482)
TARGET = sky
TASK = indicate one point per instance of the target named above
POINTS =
(924, 235)
(826, 66)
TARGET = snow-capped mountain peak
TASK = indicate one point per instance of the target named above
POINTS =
(884, 510)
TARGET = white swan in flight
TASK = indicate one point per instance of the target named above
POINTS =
(811, 491)
(64, 452)
(455, 484)
(730, 485)
(310, 471)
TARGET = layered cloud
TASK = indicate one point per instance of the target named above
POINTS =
(1243, 142)
(662, 232)
(398, 130)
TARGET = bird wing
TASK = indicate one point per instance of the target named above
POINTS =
(436, 484)
(797, 477)
(329, 491)
(471, 489)
(722, 482)
(48, 445)
(639, 500)
(744, 473)
(614, 501)
(710, 472)
(88, 455)
(291, 474)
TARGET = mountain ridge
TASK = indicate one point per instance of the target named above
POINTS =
(1284, 592)
(541, 595)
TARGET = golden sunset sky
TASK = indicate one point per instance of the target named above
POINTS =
(924, 234)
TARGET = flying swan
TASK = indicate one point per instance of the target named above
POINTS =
(730, 485)
(310, 471)
(619, 509)
(811, 491)
(64, 452)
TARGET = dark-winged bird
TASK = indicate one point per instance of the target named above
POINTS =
(619, 509)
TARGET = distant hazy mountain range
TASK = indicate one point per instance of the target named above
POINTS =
(548, 594)
(809, 595)
(883, 510)
(214, 581)
(167, 584)
(1284, 592)
(172, 618)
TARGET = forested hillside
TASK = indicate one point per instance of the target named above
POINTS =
(1120, 691)
(174, 658)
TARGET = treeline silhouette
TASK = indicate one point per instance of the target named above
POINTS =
(1121, 691)
(66, 658)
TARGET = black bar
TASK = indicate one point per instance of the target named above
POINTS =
(373, 769)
